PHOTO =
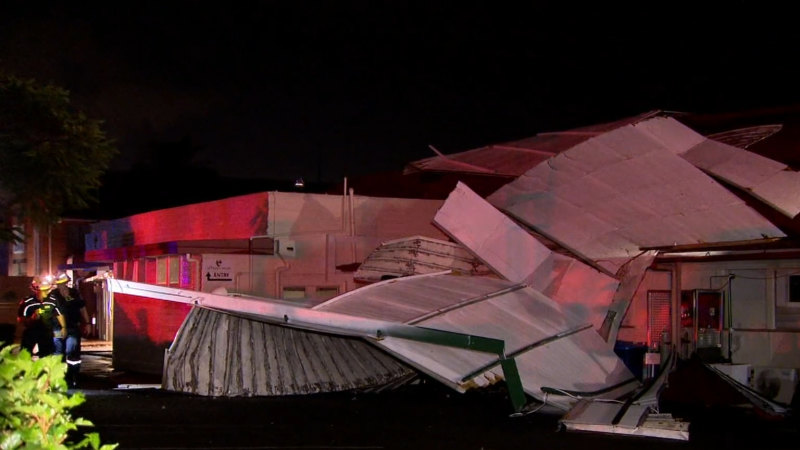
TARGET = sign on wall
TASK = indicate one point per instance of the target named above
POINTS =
(217, 270)
(221, 271)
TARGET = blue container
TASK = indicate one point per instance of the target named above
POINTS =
(632, 354)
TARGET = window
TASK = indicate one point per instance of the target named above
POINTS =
(326, 292)
(188, 270)
(161, 271)
(166, 271)
(317, 293)
(794, 288)
(294, 293)
(150, 270)
(19, 262)
(174, 270)
(141, 270)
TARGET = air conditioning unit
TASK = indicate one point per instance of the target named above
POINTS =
(739, 372)
(775, 383)
(285, 247)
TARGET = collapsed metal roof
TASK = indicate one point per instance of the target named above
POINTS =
(217, 354)
(769, 181)
(619, 192)
(514, 254)
(619, 181)
(512, 159)
(747, 136)
(447, 326)
(551, 346)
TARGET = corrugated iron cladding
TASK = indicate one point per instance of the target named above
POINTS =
(492, 308)
(218, 354)
(406, 299)
(609, 196)
(416, 255)
(513, 159)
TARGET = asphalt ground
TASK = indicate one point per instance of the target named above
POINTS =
(127, 409)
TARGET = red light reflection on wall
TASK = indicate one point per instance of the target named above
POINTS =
(157, 321)
(232, 218)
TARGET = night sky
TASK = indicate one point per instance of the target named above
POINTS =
(325, 90)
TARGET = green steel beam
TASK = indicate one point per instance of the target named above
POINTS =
(513, 383)
(446, 338)
(526, 348)
(469, 342)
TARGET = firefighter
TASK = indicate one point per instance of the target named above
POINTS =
(38, 315)
(68, 341)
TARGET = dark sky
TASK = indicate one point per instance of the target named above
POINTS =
(331, 89)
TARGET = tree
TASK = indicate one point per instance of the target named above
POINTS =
(36, 406)
(52, 157)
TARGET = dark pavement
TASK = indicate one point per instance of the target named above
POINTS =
(422, 416)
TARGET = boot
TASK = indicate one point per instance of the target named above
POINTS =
(72, 375)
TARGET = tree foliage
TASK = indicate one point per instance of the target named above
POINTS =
(34, 404)
(51, 156)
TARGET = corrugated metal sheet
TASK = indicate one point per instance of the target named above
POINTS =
(772, 182)
(552, 347)
(417, 255)
(220, 354)
(518, 256)
(769, 181)
(745, 137)
(616, 193)
(512, 159)
(631, 275)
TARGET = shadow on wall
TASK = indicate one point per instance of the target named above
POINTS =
(143, 329)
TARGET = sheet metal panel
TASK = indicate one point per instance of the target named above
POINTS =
(518, 256)
(631, 274)
(514, 158)
(508, 159)
(521, 317)
(770, 181)
(643, 174)
(745, 137)
(220, 354)
(490, 235)
(417, 255)
(580, 362)
(670, 133)
(404, 299)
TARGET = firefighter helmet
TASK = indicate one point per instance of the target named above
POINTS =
(61, 278)
(35, 284)
(41, 284)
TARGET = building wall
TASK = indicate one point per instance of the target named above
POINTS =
(43, 250)
(319, 239)
(765, 325)
(232, 218)
(316, 236)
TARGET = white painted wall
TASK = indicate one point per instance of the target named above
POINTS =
(323, 237)
(766, 328)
